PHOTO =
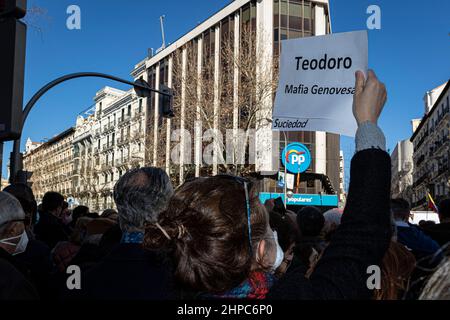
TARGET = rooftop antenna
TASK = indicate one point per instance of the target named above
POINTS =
(161, 19)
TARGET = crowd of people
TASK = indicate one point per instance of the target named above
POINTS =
(211, 238)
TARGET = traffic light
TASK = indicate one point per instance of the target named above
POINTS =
(166, 102)
(13, 8)
(12, 66)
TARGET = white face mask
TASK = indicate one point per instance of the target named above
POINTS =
(280, 254)
(21, 246)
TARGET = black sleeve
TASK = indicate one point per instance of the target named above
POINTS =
(360, 241)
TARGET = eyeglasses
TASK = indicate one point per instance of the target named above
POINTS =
(247, 186)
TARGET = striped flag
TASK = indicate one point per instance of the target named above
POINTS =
(431, 203)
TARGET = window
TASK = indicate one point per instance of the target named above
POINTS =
(129, 110)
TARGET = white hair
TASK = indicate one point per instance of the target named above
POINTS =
(10, 209)
(333, 216)
(140, 196)
(332, 220)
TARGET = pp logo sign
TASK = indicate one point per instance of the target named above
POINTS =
(296, 158)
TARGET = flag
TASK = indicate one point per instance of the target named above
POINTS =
(431, 203)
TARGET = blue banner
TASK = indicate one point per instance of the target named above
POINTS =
(303, 199)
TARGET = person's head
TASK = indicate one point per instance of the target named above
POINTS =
(79, 232)
(96, 228)
(53, 202)
(66, 215)
(93, 215)
(13, 238)
(310, 221)
(110, 214)
(425, 223)
(140, 195)
(286, 231)
(218, 232)
(25, 195)
(78, 212)
(332, 221)
(400, 209)
(444, 210)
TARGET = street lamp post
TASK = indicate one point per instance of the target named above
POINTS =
(285, 169)
(141, 87)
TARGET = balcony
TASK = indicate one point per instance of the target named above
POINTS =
(438, 145)
(444, 117)
(121, 162)
(124, 120)
(443, 169)
(123, 140)
(138, 116)
(106, 167)
(138, 136)
(108, 147)
(108, 127)
(420, 160)
(421, 180)
(421, 141)
(97, 133)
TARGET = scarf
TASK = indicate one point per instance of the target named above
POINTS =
(255, 287)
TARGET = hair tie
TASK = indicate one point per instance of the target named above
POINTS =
(163, 231)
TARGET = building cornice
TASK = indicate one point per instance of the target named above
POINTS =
(429, 114)
(119, 103)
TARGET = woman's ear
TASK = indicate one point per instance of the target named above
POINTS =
(260, 251)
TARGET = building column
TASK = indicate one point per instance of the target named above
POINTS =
(265, 156)
(321, 137)
(155, 120)
(216, 102)
(183, 108)
(236, 45)
(169, 121)
(198, 126)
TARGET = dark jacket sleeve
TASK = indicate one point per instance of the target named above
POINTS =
(360, 241)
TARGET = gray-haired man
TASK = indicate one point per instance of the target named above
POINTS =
(129, 271)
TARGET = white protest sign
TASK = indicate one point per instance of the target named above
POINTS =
(317, 82)
(290, 181)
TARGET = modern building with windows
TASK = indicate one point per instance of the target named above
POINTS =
(431, 141)
(224, 73)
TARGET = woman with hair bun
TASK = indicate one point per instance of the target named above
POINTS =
(220, 239)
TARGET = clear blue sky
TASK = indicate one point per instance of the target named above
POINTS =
(411, 53)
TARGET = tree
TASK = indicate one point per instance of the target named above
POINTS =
(234, 98)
